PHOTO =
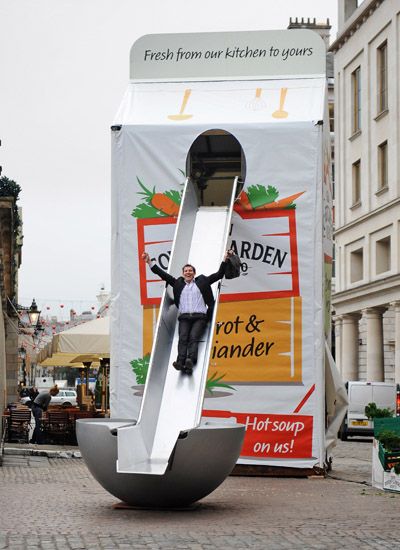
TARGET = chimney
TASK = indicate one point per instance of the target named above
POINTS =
(323, 29)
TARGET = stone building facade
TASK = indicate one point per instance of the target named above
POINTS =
(367, 193)
(10, 259)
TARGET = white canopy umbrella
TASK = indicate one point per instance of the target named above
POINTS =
(63, 360)
(89, 342)
(92, 337)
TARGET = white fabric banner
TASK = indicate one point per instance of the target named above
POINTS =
(267, 360)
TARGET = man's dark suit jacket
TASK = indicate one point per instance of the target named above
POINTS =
(203, 282)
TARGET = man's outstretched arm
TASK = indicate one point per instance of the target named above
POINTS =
(221, 271)
(157, 270)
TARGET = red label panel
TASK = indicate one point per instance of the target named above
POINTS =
(273, 435)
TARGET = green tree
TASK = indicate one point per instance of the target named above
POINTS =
(10, 188)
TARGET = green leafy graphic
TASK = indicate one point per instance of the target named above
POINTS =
(155, 204)
(215, 382)
(259, 195)
(174, 195)
(140, 367)
(145, 211)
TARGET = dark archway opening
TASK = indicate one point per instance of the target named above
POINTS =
(214, 160)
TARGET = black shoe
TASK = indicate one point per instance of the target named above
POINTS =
(177, 365)
(188, 366)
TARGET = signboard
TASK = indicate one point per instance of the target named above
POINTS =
(227, 55)
(266, 242)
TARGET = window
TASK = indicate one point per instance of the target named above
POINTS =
(382, 165)
(331, 111)
(383, 263)
(382, 75)
(356, 99)
(356, 265)
(356, 178)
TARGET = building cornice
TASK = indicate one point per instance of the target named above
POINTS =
(352, 299)
(362, 13)
(367, 216)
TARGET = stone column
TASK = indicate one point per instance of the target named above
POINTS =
(338, 324)
(375, 362)
(396, 306)
(349, 356)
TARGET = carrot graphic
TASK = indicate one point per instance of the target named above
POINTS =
(160, 201)
(282, 203)
(164, 204)
(244, 202)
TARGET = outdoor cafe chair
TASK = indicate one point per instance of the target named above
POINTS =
(18, 425)
(57, 427)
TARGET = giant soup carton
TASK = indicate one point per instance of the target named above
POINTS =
(267, 91)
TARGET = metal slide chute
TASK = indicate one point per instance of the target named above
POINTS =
(172, 401)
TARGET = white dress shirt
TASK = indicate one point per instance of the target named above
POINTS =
(191, 300)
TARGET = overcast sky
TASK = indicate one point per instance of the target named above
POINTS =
(64, 68)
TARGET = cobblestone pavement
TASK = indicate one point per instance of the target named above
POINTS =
(54, 503)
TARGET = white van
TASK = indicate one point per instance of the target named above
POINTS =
(359, 395)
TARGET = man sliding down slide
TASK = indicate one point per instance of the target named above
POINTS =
(195, 301)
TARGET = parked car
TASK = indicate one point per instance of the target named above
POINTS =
(65, 398)
(360, 394)
(25, 400)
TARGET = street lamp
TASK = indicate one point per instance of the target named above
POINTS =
(33, 322)
(34, 314)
